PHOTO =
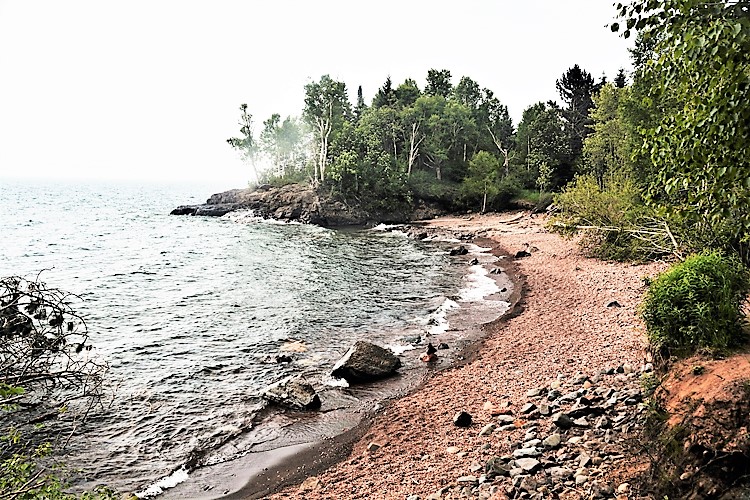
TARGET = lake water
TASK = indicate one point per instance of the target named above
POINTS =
(188, 310)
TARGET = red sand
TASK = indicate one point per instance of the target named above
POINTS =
(565, 326)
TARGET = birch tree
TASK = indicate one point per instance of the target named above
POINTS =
(326, 109)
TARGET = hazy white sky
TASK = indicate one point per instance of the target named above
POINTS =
(141, 89)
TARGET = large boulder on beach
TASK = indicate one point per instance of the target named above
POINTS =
(294, 392)
(365, 362)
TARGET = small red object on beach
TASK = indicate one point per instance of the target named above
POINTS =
(429, 358)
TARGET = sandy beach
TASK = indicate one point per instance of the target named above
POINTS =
(562, 326)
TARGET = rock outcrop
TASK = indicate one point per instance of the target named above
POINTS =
(365, 362)
(296, 202)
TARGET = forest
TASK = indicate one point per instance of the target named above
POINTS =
(650, 163)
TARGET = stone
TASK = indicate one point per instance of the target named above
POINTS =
(505, 419)
(552, 441)
(462, 419)
(365, 362)
(412, 497)
(613, 303)
(528, 408)
(600, 489)
(559, 474)
(544, 410)
(452, 450)
(531, 443)
(529, 484)
(532, 393)
(497, 467)
(373, 446)
(461, 250)
(487, 429)
(521, 254)
(443, 346)
(623, 488)
(529, 465)
(562, 421)
(604, 423)
(581, 479)
(468, 479)
(293, 392)
(581, 422)
(526, 452)
(310, 484)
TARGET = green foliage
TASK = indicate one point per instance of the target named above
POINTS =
(23, 476)
(697, 85)
(607, 149)
(697, 304)
(616, 223)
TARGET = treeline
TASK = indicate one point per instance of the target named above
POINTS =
(652, 166)
(453, 144)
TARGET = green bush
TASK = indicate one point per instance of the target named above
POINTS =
(697, 304)
(618, 225)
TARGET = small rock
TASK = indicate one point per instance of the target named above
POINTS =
(581, 422)
(530, 465)
(412, 497)
(461, 250)
(552, 441)
(544, 410)
(487, 429)
(532, 393)
(468, 479)
(529, 484)
(581, 479)
(505, 419)
(373, 446)
(613, 303)
(443, 346)
(452, 450)
(623, 488)
(521, 254)
(560, 473)
(310, 484)
(562, 421)
(526, 452)
(462, 419)
(528, 408)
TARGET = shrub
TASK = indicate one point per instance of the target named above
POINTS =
(697, 304)
(615, 222)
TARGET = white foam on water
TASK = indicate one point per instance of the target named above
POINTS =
(330, 381)
(478, 285)
(438, 320)
(399, 349)
(158, 487)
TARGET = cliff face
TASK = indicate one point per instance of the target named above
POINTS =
(295, 202)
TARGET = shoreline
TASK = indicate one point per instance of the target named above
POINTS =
(265, 471)
(560, 326)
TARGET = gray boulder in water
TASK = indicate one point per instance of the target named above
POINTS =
(294, 392)
(365, 362)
